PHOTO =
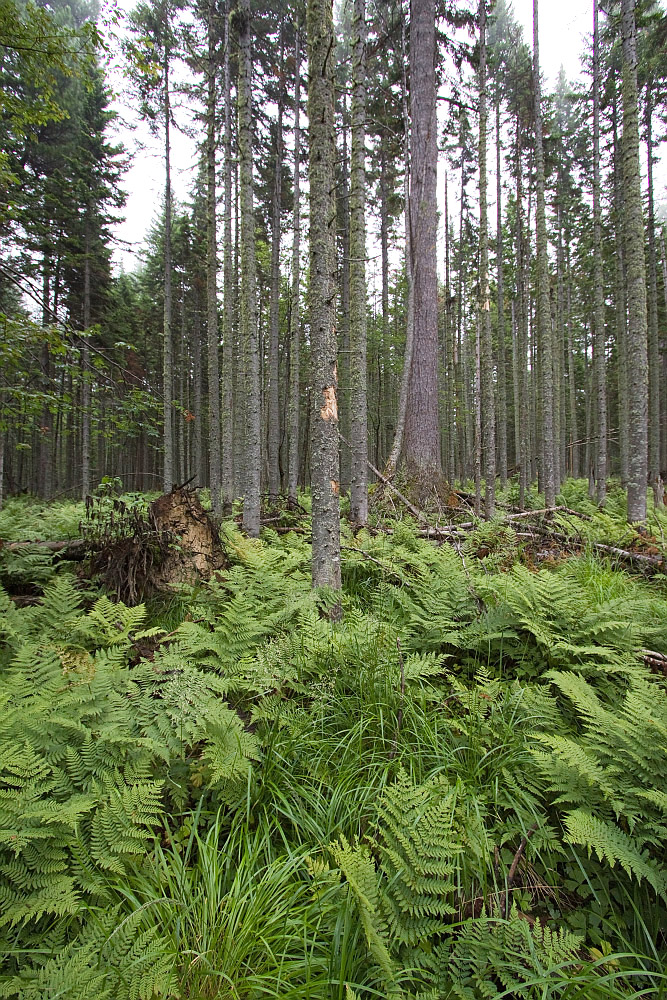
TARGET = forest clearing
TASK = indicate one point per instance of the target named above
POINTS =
(333, 569)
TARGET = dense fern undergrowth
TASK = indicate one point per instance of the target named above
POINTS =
(457, 792)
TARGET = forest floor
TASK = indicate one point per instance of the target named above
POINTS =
(457, 791)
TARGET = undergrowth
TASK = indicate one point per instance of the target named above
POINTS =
(458, 792)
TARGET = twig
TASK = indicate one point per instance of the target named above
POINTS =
(367, 555)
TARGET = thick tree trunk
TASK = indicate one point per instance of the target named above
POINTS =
(421, 445)
(544, 333)
(636, 277)
(324, 381)
(295, 315)
(212, 271)
(599, 342)
(249, 326)
(486, 399)
(358, 377)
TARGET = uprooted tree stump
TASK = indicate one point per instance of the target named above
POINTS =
(136, 553)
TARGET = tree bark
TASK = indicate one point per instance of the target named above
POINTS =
(212, 270)
(599, 343)
(325, 482)
(358, 377)
(486, 400)
(397, 445)
(273, 437)
(249, 326)
(85, 370)
(295, 315)
(168, 364)
(421, 445)
(544, 333)
(502, 366)
(654, 476)
(227, 414)
(636, 277)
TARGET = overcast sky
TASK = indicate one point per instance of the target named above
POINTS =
(563, 27)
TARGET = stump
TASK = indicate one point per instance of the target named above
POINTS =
(174, 543)
(195, 552)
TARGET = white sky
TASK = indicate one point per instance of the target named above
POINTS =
(563, 27)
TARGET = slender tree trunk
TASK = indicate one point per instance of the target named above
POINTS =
(486, 399)
(212, 271)
(227, 484)
(343, 226)
(479, 430)
(421, 445)
(168, 364)
(324, 414)
(620, 303)
(295, 316)
(397, 445)
(544, 333)
(274, 429)
(575, 469)
(522, 318)
(636, 276)
(249, 325)
(653, 337)
(502, 366)
(198, 395)
(358, 377)
(85, 372)
(385, 400)
(599, 342)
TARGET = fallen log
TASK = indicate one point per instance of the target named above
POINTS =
(72, 548)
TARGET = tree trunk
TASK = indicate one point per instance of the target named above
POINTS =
(168, 365)
(212, 271)
(654, 476)
(397, 445)
(599, 342)
(636, 277)
(620, 299)
(544, 333)
(273, 437)
(295, 314)
(358, 377)
(227, 484)
(486, 399)
(324, 382)
(249, 328)
(421, 445)
(502, 367)
(85, 371)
